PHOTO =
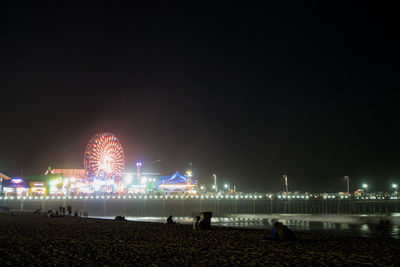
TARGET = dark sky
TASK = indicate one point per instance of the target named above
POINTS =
(244, 91)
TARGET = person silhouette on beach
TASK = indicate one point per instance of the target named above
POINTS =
(169, 220)
(196, 223)
(281, 232)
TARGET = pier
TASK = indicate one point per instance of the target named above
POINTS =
(187, 206)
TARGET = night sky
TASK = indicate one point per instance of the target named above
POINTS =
(244, 91)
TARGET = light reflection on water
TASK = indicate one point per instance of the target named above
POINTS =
(355, 225)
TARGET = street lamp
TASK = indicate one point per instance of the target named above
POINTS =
(366, 187)
(285, 178)
(215, 182)
(202, 187)
(348, 184)
(138, 166)
(394, 186)
(226, 186)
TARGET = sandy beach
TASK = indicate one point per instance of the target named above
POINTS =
(37, 240)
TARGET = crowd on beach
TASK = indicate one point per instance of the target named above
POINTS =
(201, 222)
(119, 218)
(63, 211)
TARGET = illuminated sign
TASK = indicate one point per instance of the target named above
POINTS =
(22, 190)
(8, 189)
(38, 184)
(56, 181)
(16, 180)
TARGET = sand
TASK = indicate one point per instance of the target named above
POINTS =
(37, 240)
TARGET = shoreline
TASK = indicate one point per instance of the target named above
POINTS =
(328, 224)
(34, 239)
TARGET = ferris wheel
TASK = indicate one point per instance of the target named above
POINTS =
(104, 156)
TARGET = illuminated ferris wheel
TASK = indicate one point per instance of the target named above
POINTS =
(104, 156)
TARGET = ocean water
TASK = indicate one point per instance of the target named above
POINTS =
(354, 225)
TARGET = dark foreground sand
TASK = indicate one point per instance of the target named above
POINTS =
(36, 240)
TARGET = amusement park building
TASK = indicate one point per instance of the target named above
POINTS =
(73, 181)
(78, 173)
(176, 183)
(52, 182)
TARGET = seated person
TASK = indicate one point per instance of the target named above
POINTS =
(169, 220)
(289, 235)
(281, 232)
(119, 218)
(196, 223)
(50, 213)
(205, 220)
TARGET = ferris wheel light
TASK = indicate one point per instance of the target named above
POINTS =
(104, 156)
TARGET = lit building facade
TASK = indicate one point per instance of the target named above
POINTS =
(177, 183)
